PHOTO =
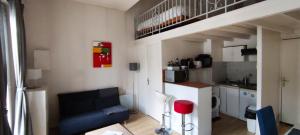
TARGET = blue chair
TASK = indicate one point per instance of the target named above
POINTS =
(267, 122)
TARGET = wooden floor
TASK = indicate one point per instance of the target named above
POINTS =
(227, 125)
(140, 124)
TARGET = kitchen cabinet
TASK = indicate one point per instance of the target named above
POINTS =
(223, 98)
(233, 105)
(233, 54)
(229, 97)
(252, 58)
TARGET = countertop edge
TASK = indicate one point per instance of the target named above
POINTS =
(198, 85)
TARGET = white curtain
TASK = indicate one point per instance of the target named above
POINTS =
(4, 125)
(22, 122)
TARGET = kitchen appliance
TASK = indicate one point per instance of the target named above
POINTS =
(197, 64)
(216, 102)
(176, 76)
(206, 60)
(247, 98)
(249, 51)
(215, 106)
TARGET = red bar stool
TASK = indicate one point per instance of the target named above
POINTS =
(183, 107)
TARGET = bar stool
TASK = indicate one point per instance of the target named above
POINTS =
(183, 107)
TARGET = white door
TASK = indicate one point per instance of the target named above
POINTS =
(154, 80)
(142, 91)
(223, 98)
(150, 79)
(233, 105)
(290, 73)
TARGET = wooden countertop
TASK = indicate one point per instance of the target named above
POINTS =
(193, 84)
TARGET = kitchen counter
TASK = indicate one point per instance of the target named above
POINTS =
(198, 93)
(240, 85)
(194, 84)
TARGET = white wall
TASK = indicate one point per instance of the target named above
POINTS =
(178, 48)
(67, 29)
(268, 69)
(251, 42)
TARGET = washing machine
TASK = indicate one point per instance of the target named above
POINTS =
(247, 98)
(216, 102)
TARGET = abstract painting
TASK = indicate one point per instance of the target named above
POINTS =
(102, 54)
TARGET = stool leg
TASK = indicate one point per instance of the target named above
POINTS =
(183, 124)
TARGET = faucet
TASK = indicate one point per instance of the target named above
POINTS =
(246, 79)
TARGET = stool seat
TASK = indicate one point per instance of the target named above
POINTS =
(183, 106)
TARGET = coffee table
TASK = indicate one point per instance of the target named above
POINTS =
(115, 127)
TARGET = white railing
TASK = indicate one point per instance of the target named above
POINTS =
(174, 13)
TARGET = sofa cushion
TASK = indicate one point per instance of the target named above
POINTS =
(116, 114)
(114, 110)
(107, 98)
(72, 104)
(82, 123)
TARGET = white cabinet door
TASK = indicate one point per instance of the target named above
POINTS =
(227, 54)
(237, 54)
(233, 54)
(252, 58)
(243, 103)
(233, 102)
(223, 98)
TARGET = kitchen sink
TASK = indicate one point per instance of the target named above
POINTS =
(239, 84)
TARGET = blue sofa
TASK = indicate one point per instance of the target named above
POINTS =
(84, 111)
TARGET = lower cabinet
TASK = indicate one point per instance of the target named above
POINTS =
(223, 99)
(230, 101)
(233, 104)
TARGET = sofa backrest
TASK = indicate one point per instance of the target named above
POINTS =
(76, 103)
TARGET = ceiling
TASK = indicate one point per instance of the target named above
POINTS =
(122, 5)
(228, 33)
(287, 23)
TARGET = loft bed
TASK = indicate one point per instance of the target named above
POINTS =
(170, 14)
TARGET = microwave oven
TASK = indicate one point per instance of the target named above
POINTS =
(176, 76)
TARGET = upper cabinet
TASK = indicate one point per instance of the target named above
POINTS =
(233, 54)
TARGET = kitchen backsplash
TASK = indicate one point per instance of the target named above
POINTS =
(219, 72)
(234, 71)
